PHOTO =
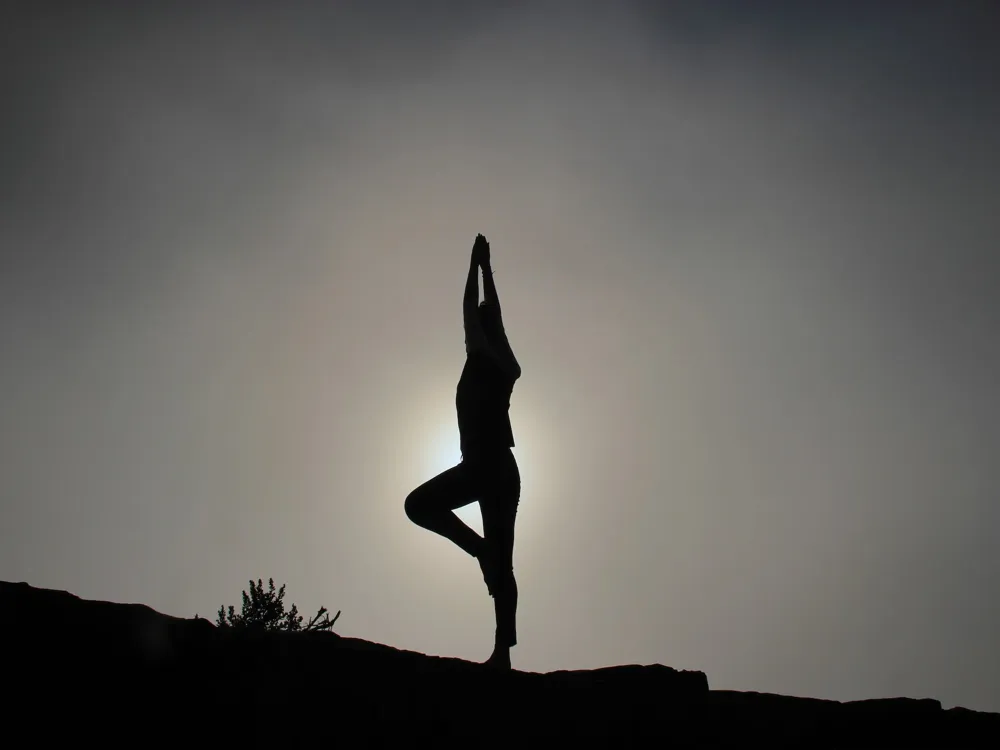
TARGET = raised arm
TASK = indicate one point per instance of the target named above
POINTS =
(501, 346)
(489, 287)
(470, 301)
(475, 336)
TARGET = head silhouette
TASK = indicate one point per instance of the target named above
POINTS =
(489, 318)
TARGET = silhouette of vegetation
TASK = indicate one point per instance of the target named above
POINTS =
(265, 610)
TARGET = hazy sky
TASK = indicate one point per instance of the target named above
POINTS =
(748, 262)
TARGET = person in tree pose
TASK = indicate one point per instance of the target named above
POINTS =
(487, 472)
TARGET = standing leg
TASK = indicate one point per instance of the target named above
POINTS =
(499, 509)
(499, 533)
(431, 506)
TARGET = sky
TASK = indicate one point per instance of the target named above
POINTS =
(748, 265)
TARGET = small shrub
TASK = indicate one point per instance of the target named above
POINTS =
(265, 610)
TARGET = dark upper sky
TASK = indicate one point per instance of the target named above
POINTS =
(748, 263)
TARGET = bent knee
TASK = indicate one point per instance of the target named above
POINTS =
(414, 507)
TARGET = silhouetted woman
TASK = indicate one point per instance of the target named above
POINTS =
(487, 472)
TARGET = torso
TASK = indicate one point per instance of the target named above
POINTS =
(482, 401)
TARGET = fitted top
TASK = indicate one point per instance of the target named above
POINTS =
(483, 401)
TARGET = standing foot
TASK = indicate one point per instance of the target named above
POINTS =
(500, 660)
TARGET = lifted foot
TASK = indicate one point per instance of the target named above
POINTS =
(487, 563)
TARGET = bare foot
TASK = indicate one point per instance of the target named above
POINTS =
(500, 660)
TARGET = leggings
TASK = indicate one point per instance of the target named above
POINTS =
(492, 478)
